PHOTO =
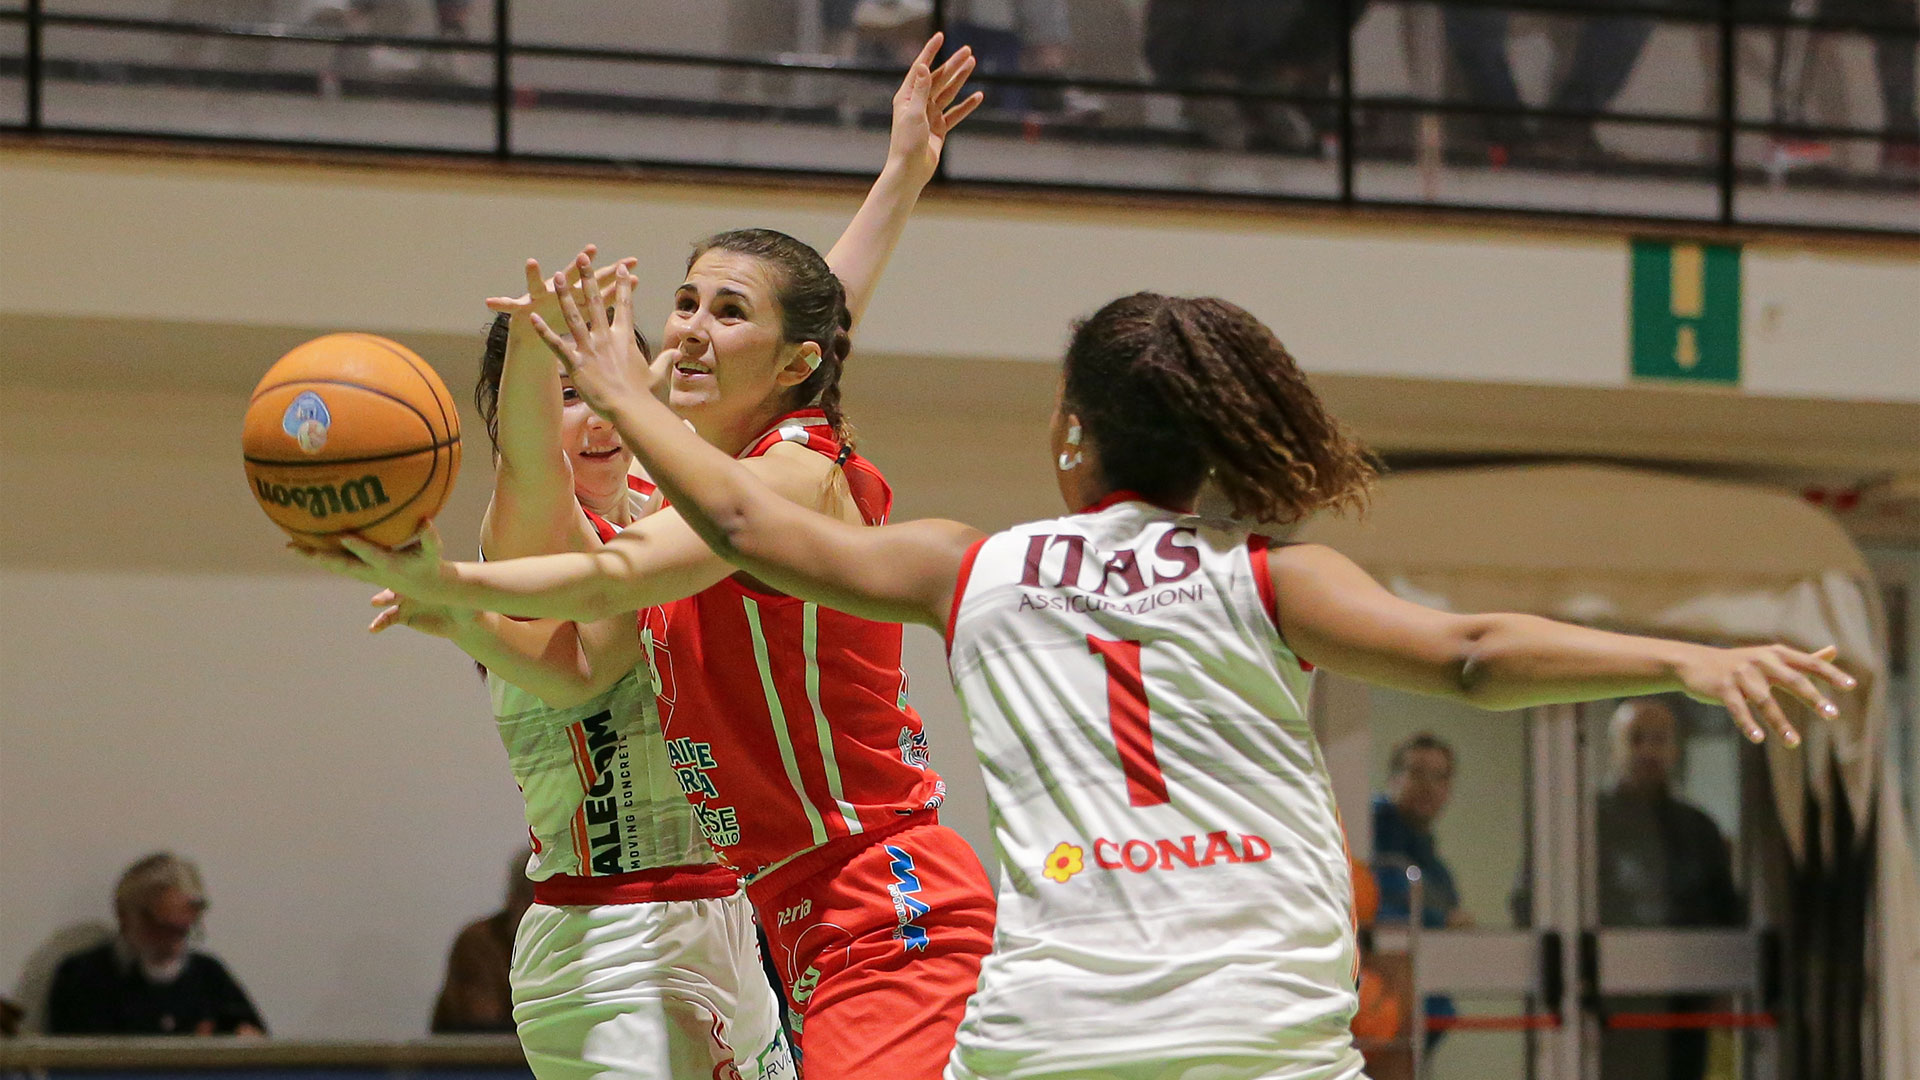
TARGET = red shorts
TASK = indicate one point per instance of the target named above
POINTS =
(879, 949)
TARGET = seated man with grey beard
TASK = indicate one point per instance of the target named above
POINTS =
(146, 980)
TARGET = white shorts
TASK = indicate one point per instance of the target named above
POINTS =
(671, 989)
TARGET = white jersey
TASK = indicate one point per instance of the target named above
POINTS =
(1174, 882)
(601, 795)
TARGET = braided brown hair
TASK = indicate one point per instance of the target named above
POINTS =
(813, 307)
(1171, 389)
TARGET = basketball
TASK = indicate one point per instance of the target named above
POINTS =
(351, 433)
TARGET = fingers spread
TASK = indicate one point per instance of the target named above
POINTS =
(951, 76)
(555, 343)
(1821, 664)
(1760, 694)
(1782, 674)
(929, 50)
(961, 111)
(1742, 716)
(570, 309)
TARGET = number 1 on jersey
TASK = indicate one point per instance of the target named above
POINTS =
(1127, 713)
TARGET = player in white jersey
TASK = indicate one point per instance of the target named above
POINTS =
(1174, 896)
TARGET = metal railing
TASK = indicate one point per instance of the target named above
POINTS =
(503, 96)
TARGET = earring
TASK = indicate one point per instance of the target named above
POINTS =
(1069, 460)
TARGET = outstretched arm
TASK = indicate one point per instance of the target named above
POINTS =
(561, 663)
(1333, 615)
(923, 114)
(656, 560)
(892, 573)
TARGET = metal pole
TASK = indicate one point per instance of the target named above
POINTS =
(1346, 101)
(502, 80)
(1728, 114)
(34, 73)
(1416, 919)
(940, 26)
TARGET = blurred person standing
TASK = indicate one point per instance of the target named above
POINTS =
(1008, 37)
(1279, 46)
(1604, 55)
(1662, 862)
(146, 980)
(475, 995)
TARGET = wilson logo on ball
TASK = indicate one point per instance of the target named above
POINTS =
(307, 420)
(321, 500)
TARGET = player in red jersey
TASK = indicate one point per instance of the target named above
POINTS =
(786, 722)
(1133, 674)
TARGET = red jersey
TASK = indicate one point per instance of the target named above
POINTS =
(787, 723)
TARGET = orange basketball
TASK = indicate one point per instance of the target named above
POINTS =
(351, 433)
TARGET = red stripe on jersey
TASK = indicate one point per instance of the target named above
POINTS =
(960, 587)
(580, 848)
(644, 487)
(788, 720)
(1130, 717)
(582, 757)
(601, 525)
(1257, 546)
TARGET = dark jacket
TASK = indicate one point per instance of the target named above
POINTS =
(102, 991)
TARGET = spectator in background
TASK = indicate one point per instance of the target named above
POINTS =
(1282, 46)
(1009, 37)
(146, 980)
(475, 996)
(1604, 54)
(1419, 784)
(1663, 862)
(1894, 24)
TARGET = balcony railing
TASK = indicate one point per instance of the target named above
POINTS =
(1733, 112)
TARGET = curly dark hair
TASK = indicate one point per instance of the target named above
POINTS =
(1173, 389)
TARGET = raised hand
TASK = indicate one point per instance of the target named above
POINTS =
(596, 354)
(923, 108)
(1744, 680)
(540, 297)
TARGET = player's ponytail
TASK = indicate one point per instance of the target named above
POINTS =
(1172, 390)
(813, 307)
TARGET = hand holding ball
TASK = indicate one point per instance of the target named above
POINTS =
(351, 433)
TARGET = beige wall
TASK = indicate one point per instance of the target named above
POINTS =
(169, 677)
(409, 253)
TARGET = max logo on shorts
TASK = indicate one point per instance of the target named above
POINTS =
(906, 908)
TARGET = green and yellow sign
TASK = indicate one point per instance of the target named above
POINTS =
(1686, 312)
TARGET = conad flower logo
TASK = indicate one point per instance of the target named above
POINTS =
(1065, 861)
